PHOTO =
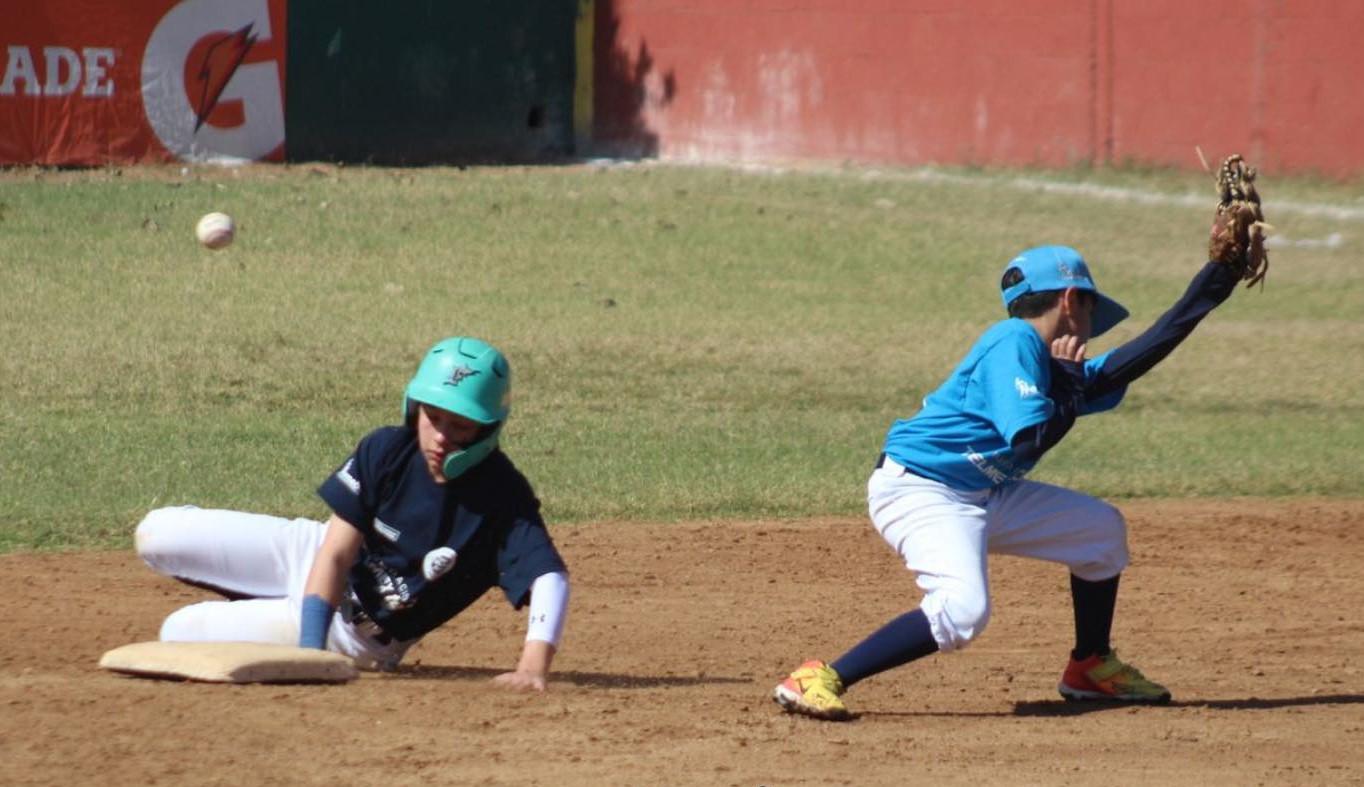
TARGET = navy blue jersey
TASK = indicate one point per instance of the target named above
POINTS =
(430, 550)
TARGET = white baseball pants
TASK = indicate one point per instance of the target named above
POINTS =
(944, 535)
(266, 557)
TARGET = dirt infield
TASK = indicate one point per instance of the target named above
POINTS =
(1249, 611)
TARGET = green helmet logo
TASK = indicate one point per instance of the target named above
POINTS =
(458, 375)
(467, 377)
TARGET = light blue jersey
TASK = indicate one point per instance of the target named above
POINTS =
(962, 435)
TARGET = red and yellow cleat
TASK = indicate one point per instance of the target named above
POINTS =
(1106, 678)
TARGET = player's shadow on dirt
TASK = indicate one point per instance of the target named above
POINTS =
(600, 680)
(1062, 708)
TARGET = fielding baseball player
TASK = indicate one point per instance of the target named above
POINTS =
(948, 488)
(427, 517)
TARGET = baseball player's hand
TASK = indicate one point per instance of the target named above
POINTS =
(521, 681)
(1068, 371)
(1068, 348)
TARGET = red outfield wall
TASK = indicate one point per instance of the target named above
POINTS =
(1050, 82)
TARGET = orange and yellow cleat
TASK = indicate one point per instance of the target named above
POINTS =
(1107, 678)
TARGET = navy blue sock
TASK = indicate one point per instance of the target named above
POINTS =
(900, 641)
(1094, 604)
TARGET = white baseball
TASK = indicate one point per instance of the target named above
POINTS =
(215, 230)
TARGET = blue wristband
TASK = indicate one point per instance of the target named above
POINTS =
(314, 623)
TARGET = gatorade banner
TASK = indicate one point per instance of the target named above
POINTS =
(93, 83)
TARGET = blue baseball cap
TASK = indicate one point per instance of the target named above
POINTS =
(1057, 268)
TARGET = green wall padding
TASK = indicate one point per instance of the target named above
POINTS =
(429, 82)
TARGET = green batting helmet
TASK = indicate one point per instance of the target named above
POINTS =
(467, 377)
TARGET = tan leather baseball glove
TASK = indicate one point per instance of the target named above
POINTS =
(1238, 228)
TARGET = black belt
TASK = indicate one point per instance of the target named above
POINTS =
(881, 460)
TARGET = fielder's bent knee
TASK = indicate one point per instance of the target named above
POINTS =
(957, 616)
(1110, 557)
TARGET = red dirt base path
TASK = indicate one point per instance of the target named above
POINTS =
(1250, 611)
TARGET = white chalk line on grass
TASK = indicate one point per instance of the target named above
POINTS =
(1121, 193)
(1020, 183)
(1332, 240)
(1278, 240)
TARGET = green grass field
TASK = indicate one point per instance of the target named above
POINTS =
(687, 342)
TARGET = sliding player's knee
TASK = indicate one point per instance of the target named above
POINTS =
(161, 536)
(187, 624)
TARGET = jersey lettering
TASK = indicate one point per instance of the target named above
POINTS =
(986, 469)
(392, 589)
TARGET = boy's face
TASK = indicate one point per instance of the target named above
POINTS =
(440, 432)
(1077, 313)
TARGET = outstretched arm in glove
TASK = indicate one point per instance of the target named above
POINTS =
(1236, 251)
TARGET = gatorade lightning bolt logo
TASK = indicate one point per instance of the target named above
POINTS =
(213, 80)
(220, 63)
